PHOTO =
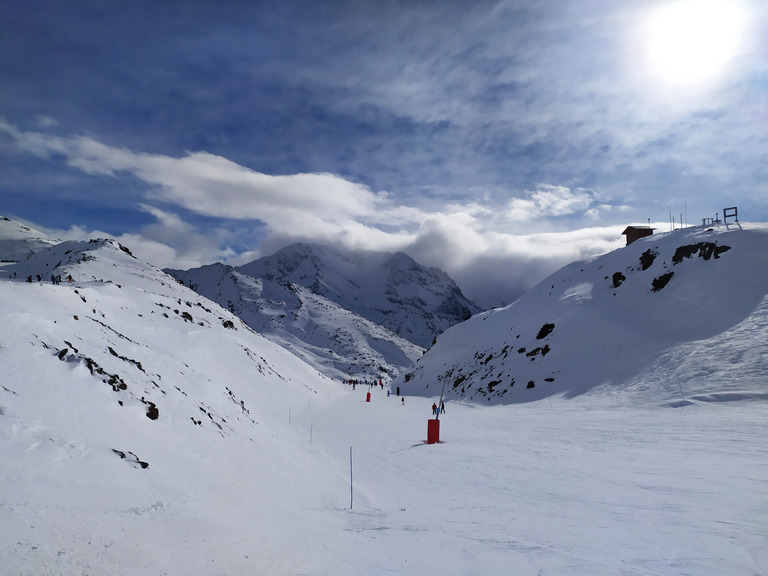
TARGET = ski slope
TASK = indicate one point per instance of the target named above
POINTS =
(225, 454)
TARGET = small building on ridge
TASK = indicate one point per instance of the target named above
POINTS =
(636, 232)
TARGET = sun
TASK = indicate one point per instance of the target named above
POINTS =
(692, 41)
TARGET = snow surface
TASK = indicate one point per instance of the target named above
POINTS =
(337, 342)
(704, 332)
(393, 290)
(350, 314)
(248, 458)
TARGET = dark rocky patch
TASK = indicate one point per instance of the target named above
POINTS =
(545, 331)
(152, 412)
(124, 249)
(647, 258)
(129, 360)
(705, 250)
(543, 350)
(618, 278)
(113, 380)
(458, 381)
(661, 281)
(131, 458)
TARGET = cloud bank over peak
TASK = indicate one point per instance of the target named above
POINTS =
(325, 208)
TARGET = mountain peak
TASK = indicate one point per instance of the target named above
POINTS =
(392, 290)
(347, 313)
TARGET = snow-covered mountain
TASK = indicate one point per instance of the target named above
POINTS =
(359, 313)
(127, 402)
(668, 311)
(146, 430)
(392, 290)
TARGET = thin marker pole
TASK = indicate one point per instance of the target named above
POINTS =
(351, 490)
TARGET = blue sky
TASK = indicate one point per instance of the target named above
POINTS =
(496, 140)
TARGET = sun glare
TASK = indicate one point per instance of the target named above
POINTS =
(692, 41)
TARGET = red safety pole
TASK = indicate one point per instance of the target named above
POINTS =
(433, 425)
(433, 431)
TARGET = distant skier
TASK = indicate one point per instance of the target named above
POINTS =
(403, 399)
(398, 390)
(434, 409)
(442, 407)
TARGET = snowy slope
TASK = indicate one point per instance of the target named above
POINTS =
(17, 241)
(128, 404)
(392, 290)
(361, 314)
(144, 430)
(336, 341)
(654, 314)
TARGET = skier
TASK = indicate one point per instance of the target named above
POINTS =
(434, 409)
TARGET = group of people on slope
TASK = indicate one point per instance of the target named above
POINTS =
(55, 278)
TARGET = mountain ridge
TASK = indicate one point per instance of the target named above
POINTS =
(393, 308)
(605, 321)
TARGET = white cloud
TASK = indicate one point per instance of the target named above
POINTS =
(214, 186)
(470, 241)
(548, 200)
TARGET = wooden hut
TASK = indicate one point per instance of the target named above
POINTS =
(636, 232)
